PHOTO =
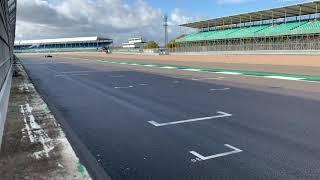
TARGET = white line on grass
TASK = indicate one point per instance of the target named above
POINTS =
(284, 78)
(231, 73)
(168, 67)
(196, 70)
(199, 70)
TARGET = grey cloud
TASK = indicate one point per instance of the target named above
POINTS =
(111, 18)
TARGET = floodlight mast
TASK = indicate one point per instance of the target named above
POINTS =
(165, 25)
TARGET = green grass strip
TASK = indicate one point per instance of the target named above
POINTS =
(215, 70)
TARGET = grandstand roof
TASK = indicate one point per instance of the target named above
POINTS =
(276, 13)
(61, 40)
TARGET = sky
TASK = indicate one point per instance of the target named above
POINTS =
(123, 19)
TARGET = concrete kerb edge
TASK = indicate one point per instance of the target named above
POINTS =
(85, 157)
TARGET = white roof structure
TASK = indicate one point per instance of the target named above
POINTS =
(61, 40)
(275, 13)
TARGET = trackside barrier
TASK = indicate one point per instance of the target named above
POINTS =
(7, 34)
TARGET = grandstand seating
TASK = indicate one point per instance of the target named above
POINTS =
(289, 28)
(222, 34)
(190, 37)
(202, 36)
(279, 29)
(248, 31)
(308, 28)
(62, 44)
(293, 27)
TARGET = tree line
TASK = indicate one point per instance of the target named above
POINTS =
(154, 45)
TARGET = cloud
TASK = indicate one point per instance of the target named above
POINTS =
(115, 19)
(178, 17)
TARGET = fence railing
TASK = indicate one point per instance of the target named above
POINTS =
(250, 47)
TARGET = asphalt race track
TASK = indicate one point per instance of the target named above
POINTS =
(149, 123)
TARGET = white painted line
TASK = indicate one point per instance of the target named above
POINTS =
(197, 70)
(200, 79)
(143, 84)
(231, 73)
(77, 72)
(77, 58)
(222, 114)
(33, 124)
(310, 81)
(24, 88)
(224, 72)
(78, 75)
(222, 89)
(149, 65)
(60, 75)
(284, 78)
(116, 76)
(126, 87)
(168, 67)
(29, 108)
(204, 158)
(64, 75)
(53, 63)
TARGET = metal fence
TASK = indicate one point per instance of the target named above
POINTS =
(291, 43)
(7, 35)
(7, 28)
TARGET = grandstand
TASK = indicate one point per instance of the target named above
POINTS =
(295, 27)
(63, 44)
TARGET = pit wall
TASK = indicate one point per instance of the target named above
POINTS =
(4, 99)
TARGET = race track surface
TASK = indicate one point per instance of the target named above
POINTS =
(148, 123)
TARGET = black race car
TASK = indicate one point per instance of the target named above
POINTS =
(48, 56)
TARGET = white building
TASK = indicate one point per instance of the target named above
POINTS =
(134, 43)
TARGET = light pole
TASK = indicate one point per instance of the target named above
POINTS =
(165, 25)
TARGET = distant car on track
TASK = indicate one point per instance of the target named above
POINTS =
(48, 56)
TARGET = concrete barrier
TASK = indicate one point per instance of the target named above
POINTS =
(4, 100)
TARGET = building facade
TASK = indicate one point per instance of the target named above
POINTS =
(134, 43)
